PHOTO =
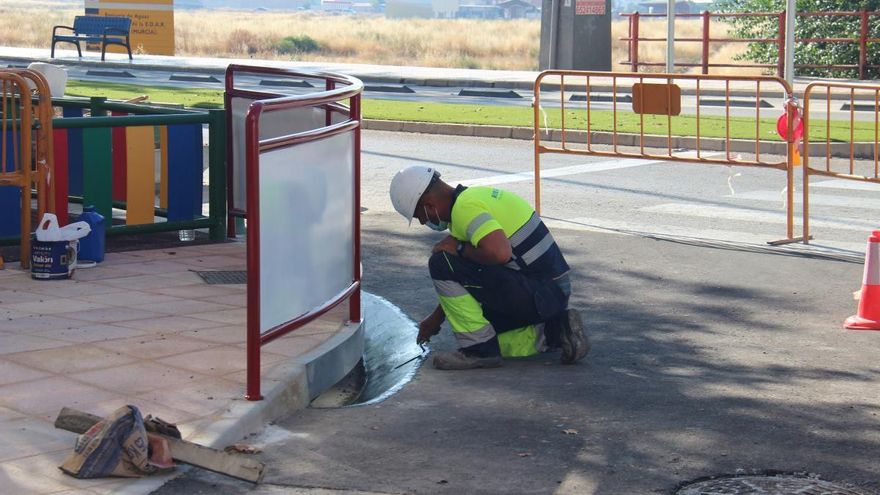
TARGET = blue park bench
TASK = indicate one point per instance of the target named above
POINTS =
(107, 30)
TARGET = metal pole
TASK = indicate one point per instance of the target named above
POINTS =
(670, 36)
(554, 34)
(790, 16)
(634, 54)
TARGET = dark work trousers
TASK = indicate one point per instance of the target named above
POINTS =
(509, 299)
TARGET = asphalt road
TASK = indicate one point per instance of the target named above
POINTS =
(709, 356)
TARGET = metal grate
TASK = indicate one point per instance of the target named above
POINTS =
(781, 484)
(215, 277)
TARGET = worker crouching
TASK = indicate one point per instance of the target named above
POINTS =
(502, 281)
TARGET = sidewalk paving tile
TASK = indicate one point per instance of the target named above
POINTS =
(25, 437)
(238, 300)
(153, 346)
(7, 414)
(217, 361)
(10, 343)
(9, 296)
(45, 467)
(200, 290)
(201, 398)
(137, 378)
(140, 328)
(227, 334)
(182, 307)
(92, 275)
(210, 262)
(33, 323)
(141, 282)
(70, 359)
(49, 395)
(169, 324)
(127, 298)
(70, 288)
(229, 316)
(89, 333)
(11, 372)
(157, 407)
(48, 305)
(7, 314)
(151, 267)
(109, 314)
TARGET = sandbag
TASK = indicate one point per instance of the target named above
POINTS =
(115, 446)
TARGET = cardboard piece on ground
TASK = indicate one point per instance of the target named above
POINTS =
(187, 452)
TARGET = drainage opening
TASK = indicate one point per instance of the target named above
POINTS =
(219, 277)
(769, 483)
(391, 358)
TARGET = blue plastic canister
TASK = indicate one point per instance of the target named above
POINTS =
(91, 247)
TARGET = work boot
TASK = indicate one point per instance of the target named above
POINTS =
(573, 337)
(458, 360)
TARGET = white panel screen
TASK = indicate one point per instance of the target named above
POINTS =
(272, 124)
(306, 223)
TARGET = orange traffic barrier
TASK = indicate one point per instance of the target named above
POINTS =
(868, 317)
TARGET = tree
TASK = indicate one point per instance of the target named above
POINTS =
(818, 53)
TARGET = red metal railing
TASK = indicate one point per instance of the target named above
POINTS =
(864, 17)
(330, 101)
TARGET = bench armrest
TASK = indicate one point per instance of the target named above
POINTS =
(56, 28)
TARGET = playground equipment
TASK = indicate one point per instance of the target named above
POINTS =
(141, 166)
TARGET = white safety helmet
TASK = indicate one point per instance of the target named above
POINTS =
(407, 187)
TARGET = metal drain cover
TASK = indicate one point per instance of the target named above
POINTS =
(781, 484)
(215, 277)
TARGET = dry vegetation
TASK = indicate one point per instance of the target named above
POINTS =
(365, 39)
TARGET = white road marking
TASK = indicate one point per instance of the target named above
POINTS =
(558, 172)
(815, 199)
(745, 215)
(612, 226)
(852, 185)
(574, 170)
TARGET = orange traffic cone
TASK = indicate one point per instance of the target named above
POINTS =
(868, 317)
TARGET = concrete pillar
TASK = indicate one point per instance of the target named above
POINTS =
(576, 34)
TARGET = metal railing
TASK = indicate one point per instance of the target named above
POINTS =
(273, 149)
(863, 39)
(97, 185)
(26, 151)
(851, 163)
(658, 97)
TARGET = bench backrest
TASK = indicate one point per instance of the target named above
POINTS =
(96, 24)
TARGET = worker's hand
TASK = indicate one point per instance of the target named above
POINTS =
(447, 244)
(429, 327)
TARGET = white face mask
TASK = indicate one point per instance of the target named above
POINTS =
(440, 226)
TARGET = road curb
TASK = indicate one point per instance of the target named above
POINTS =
(289, 386)
(515, 80)
(838, 150)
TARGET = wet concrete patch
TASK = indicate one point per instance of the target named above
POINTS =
(391, 358)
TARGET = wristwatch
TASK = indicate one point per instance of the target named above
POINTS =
(459, 248)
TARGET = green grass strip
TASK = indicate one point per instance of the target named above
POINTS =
(500, 115)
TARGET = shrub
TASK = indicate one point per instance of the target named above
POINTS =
(298, 44)
(813, 53)
(242, 41)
